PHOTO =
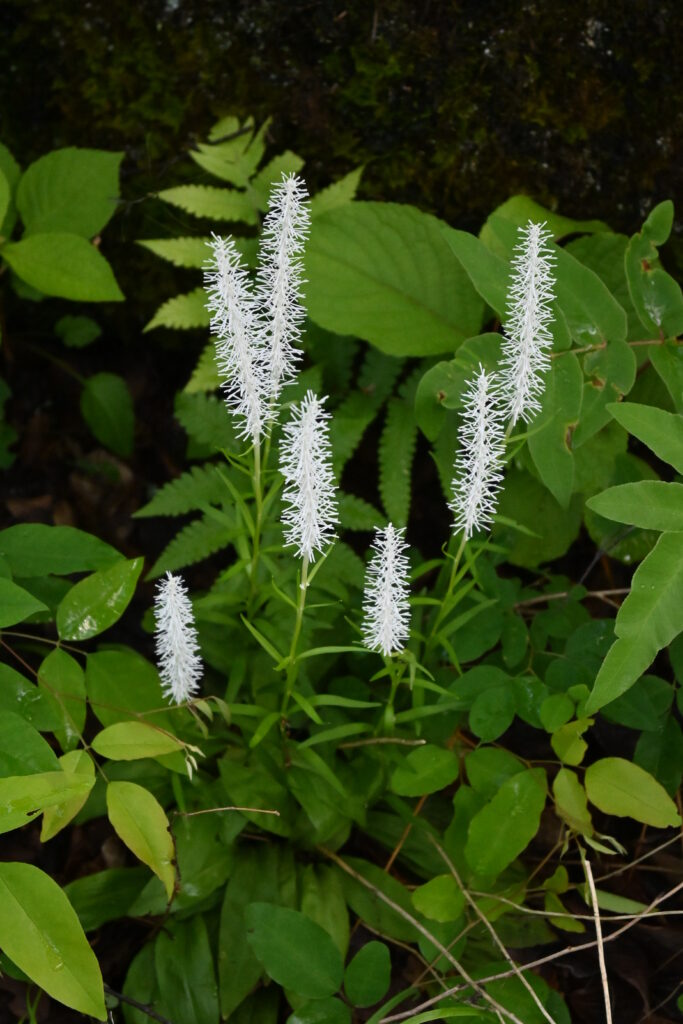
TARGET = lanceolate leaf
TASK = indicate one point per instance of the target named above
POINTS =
(661, 431)
(396, 450)
(650, 504)
(619, 787)
(140, 822)
(209, 201)
(40, 932)
(502, 829)
(550, 435)
(649, 619)
(98, 601)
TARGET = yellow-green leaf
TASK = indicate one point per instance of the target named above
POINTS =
(128, 741)
(140, 822)
(624, 789)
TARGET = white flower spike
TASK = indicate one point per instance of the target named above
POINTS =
(479, 460)
(306, 464)
(180, 666)
(279, 278)
(386, 622)
(527, 339)
(239, 350)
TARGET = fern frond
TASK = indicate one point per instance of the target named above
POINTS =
(212, 202)
(195, 542)
(396, 451)
(357, 514)
(205, 376)
(182, 312)
(205, 419)
(202, 485)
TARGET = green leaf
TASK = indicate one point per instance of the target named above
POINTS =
(317, 1011)
(206, 420)
(439, 899)
(555, 711)
(668, 362)
(75, 762)
(442, 386)
(661, 431)
(182, 312)
(322, 899)
(188, 994)
(271, 174)
(98, 601)
(568, 743)
(193, 543)
(107, 408)
(550, 437)
(588, 305)
(367, 977)
(23, 751)
(22, 797)
(234, 159)
(492, 713)
(129, 741)
(571, 802)
(396, 450)
(211, 202)
(201, 485)
(520, 209)
(650, 504)
(60, 677)
(122, 682)
(77, 331)
(488, 767)
(140, 822)
(338, 193)
(425, 770)
(16, 604)
(105, 895)
(486, 270)
(369, 907)
(18, 695)
(411, 295)
(295, 951)
(502, 829)
(357, 514)
(5, 197)
(527, 503)
(648, 620)
(621, 788)
(64, 265)
(181, 252)
(74, 190)
(33, 549)
(40, 932)
(655, 294)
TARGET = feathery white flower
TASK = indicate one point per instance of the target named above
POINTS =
(180, 666)
(306, 464)
(386, 622)
(280, 276)
(479, 460)
(239, 350)
(527, 338)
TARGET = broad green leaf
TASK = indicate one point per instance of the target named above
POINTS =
(492, 713)
(518, 210)
(211, 202)
(661, 431)
(571, 802)
(105, 895)
(40, 932)
(182, 312)
(314, 1011)
(185, 973)
(77, 331)
(555, 711)
(591, 310)
(369, 907)
(649, 619)
(660, 752)
(486, 270)
(568, 743)
(16, 604)
(489, 767)
(367, 977)
(23, 751)
(11, 172)
(181, 252)
(655, 294)
(604, 253)
(74, 190)
(122, 682)
(338, 193)
(551, 529)
(18, 695)
(439, 899)
(650, 504)
(502, 829)
(61, 679)
(129, 741)
(75, 762)
(63, 265)
(550, 436)
(140, 822)
(22, 797)
(295, 951)
(411, 295)
(107, 408)
(33, 549)
(667, 360)
(98, 601)
(621, 788)
(442, 386)
(140, 984)
(322, 899)
(425, 770)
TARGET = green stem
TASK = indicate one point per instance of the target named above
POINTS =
(449, 590)
(292, 667)
(258, 500)
(396, 671)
